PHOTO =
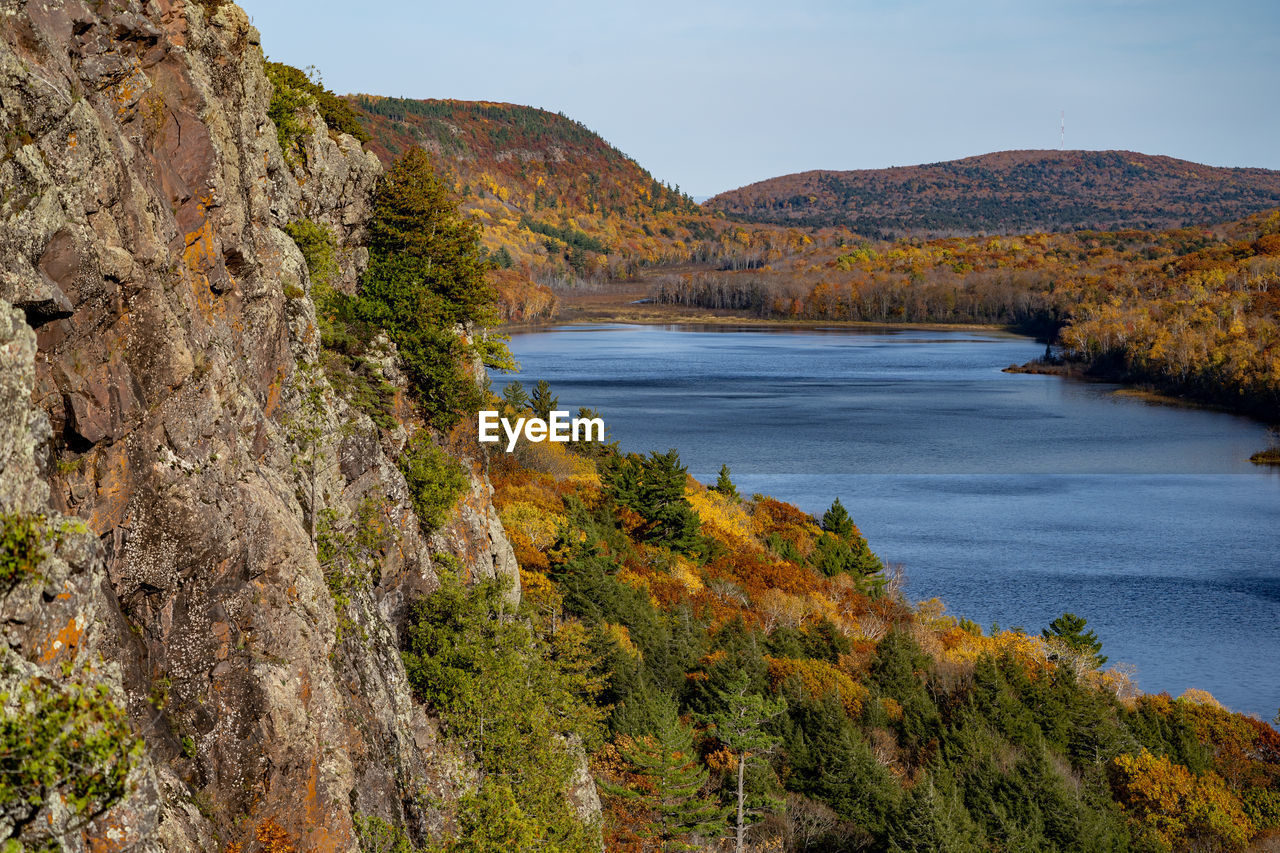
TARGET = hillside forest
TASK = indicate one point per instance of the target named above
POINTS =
(1010, 192)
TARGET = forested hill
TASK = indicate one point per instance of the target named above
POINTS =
(1010, 192)
(531, 157)
(558, 204)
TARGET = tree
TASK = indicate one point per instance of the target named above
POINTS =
(1068, 629)
(1172, 808)
(671, 782)
(515, 396)
(654, 488)
(514, 698)
(724, 485)
(842, 549)
(740, 725)
(427, 279)
(930, 822)
(543, 401)
(502, 259)
(836, 520)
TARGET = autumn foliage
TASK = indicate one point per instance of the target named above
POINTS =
(884, 699)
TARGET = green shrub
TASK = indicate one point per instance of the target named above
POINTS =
(22, 539)
(338, 115)
(294, 90)
(435, 480)
(287, 98)
(70, 742)
(378, 836)
(317, 245)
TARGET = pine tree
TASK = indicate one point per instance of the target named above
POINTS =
(543, 401)
(1069, 630)
(672, 779)
(427, 275)
(930, 823)
(515, 396)
(724, 485)
(654, 488)
(837, 521)
(739, 725)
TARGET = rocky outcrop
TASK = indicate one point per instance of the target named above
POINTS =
(169, 399)
(52, 639)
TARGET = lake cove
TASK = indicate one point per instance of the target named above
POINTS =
(1013, 498)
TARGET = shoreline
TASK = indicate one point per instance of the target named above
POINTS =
(728, 320)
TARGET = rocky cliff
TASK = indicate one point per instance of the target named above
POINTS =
(157, 344)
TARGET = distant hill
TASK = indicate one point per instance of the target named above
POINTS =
(1010, 192)
(547, 160)
(560, 205)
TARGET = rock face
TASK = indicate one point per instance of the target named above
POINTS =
(168, 398)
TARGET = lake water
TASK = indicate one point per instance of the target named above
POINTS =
(1011, 497)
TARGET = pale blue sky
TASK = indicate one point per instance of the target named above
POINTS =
(714, 95)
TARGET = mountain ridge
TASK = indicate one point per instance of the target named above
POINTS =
(1015, 191)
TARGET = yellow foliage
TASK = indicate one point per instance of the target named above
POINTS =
(721, 516)
(1197, 696)
(961, 646)
(622, 636)
(686, 572)
(632, 579)
(538, 525)
(932, 614)
(537, 586)
(818, 678)
(556, 459)
(1171, 807)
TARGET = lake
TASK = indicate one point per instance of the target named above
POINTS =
(1011, 497)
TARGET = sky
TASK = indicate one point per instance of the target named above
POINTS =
(711, 95)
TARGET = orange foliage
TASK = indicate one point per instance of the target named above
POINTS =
(521, 300)
(771, 517)
(273, 838)
(757, 572)
(626, 819)
(722, 760)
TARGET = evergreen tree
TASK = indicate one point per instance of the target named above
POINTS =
(426, 276)
(830, 761)
(672, 779)
(515, 396)
(740, 725)
(1069, 630)
(928, 822)
(654, 488)
(502, 259)
(594, 449)
(836, 520)
(724, 485)
(543, 401)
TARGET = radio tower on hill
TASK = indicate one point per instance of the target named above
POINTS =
(1062, 134)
